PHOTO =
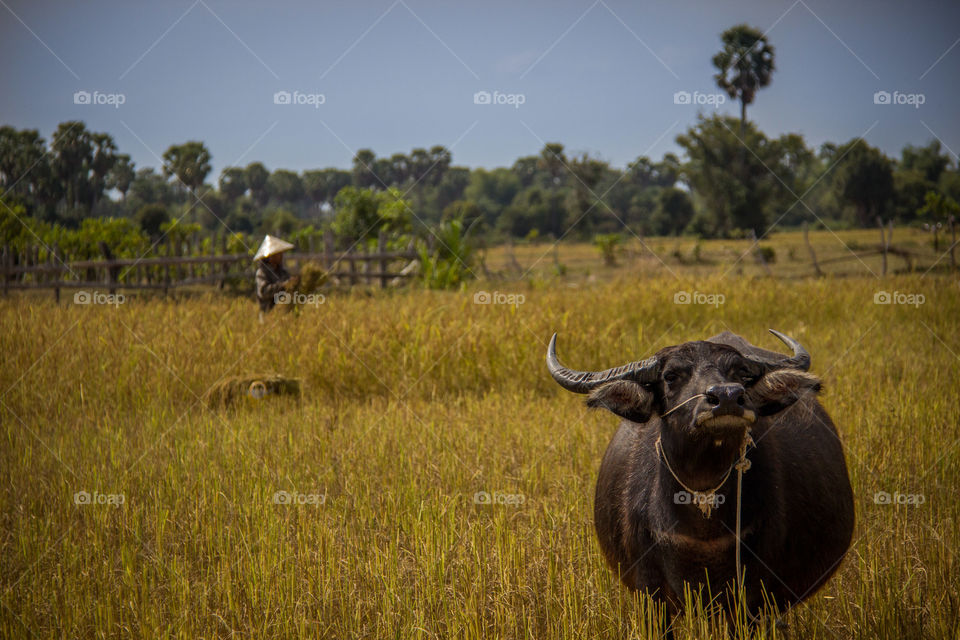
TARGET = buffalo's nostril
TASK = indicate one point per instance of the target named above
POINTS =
(724, 398)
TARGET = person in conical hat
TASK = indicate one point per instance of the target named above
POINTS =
(272, 278)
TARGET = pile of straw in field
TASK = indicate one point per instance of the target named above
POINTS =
(312, 277)
(251, 389)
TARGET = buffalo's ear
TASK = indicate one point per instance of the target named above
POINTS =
(624, 398)
(779, 389)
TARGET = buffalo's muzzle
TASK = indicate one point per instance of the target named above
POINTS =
(726, 399)
(725, 407)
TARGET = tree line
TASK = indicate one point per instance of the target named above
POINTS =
(732, 179)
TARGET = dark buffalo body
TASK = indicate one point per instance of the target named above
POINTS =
(797, 505)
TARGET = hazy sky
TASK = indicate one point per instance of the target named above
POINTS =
(597, 76)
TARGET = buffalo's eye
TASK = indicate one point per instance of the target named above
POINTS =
(670, 377)
(746, 376)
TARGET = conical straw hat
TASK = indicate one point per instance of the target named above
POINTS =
(271, 246)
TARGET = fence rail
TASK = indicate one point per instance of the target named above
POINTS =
(26, 269)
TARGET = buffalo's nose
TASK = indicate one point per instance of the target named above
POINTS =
(726, 398)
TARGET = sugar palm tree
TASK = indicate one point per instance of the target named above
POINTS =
(189, 162)
(744, 66)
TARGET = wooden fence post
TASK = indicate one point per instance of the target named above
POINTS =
(328, 249)
(4, 265)
(225, 268)
(890, 242)
(813, 255)
(884, 244)
(112, 271)
(758, 253)
(353, 267)
(953, 242)
(384, 263)
(55, 264)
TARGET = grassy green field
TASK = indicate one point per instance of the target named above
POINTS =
(839, 253)
(413, 402)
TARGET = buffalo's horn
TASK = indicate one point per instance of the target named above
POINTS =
(799, 360)
(643, 371)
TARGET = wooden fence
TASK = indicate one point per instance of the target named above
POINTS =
(885, 249)
(28, 270)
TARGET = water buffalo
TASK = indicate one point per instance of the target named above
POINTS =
(666, 497)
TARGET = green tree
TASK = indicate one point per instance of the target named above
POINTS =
(19, 152)
(285, 186)
(323, 185)
(582, 208)
(938, 207)
(102, 161)
(189, 162)
(492, 191)
(72, 155)
(744, 65)
(865, 180)
(535, 208)
(553, 161)
(280, 223)
(256, 176)
(148, 187)
(744, 199)
(233, 183)
(928, 160)
(363, 176)
(674, 212)
(910, 188)
(363, 213)
(440, 158)
(121, 235)
(526, 170)
(399, 168)
(451, 187)
(151, 218)
(17, 229)
(121, 175)
(26, 173)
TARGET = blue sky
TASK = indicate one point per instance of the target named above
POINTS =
(600, 77)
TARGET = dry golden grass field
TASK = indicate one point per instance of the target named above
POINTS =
(129, 509)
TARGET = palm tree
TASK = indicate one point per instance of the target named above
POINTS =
(744, 66)
(121, 175)
(189, 162)
(553, 161)
(104, 157)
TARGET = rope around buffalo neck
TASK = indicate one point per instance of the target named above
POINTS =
(742, 465)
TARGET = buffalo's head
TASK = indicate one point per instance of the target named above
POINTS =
(707, 388)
